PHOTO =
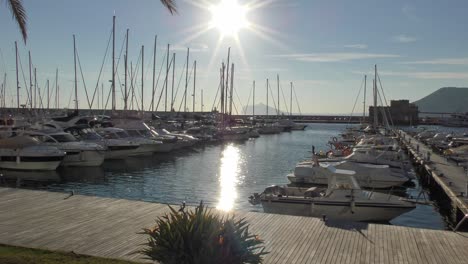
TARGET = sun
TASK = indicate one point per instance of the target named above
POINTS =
(229, 17)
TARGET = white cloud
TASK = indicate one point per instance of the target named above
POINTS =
(441, 61)
(356, 46)
(404, 38)
(334, 57)
(196, 47)
(421, 75)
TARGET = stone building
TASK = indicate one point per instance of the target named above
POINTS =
(400, 112)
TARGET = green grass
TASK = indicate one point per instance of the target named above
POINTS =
(19, 255)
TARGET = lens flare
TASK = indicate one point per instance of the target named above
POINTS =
(229, 17)
(229, 174)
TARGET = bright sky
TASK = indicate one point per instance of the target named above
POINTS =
(323, 46)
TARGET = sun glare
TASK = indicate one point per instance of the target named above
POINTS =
(229, 17)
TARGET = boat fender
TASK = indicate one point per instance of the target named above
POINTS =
(335, 139)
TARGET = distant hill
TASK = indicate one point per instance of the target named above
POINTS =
(260, 109)
(447, 100)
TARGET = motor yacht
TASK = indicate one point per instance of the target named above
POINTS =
(28, 154)
(343, 199)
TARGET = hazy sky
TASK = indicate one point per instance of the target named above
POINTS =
(323, 46)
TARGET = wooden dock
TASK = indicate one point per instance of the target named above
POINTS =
(452, 179)
(108, 227)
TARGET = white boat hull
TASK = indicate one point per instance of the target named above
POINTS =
(363, 212)
(83, 158)
(30, 166)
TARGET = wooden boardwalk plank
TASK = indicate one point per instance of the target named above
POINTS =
(109, 227)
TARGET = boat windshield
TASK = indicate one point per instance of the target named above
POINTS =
(64, 138)
(145, 132)
(89, 135)
(122, 134)
(133, 133)
(107, 135)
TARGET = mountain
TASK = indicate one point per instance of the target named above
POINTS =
(260, 109)
(445, 100)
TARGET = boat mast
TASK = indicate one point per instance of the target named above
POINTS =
(290, 103)
(142, 76)
(154, 73)
(222, 88)
(277, 82)
(56, 89)
(30, 81)
(35, 86)
(48, 95)
(17, 76)
(364, 102)
(126, 72)
(113, 65)
(222, 94)
(267, 98)
(226, 87)
(186, 81)
(173, 76)
(194, 77)
(167, 78)
(375, 97)
(76, 84)
(4, 91)
(232, 88)
(253, 101)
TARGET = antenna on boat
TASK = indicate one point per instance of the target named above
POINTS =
(194, 79)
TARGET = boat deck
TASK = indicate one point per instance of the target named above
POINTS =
(109, 227)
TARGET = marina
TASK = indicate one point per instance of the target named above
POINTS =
(201, 132)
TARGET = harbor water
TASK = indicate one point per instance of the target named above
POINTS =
(221, 175)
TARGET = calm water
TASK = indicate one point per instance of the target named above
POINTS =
(221, 175)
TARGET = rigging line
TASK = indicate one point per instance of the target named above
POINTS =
(134, 76)
(216, 97)
(157, 81)
(386, 103)
(185, 92)
(160, 95)
(284, 99)
(238, 98)
(24, 79)
(178, 85)
(82, 78)
(384, 113)
(248, 101)
(272, 97)
(297, 101)
(235, 108)
(134, 94)
(164, 83)
(108, 97)
(69, 100)
(355, 102)
(100, 71)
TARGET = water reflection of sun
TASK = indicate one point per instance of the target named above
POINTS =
(229, 178)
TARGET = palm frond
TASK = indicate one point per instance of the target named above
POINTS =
(19, 14)
(170, 5)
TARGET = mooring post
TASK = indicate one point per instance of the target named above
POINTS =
(417, 148)
(428, 156)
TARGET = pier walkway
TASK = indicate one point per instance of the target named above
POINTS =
(451, 178)
(108, 227)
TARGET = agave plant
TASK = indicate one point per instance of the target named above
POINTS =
(201, 236)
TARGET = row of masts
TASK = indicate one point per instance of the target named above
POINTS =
(129, 100)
